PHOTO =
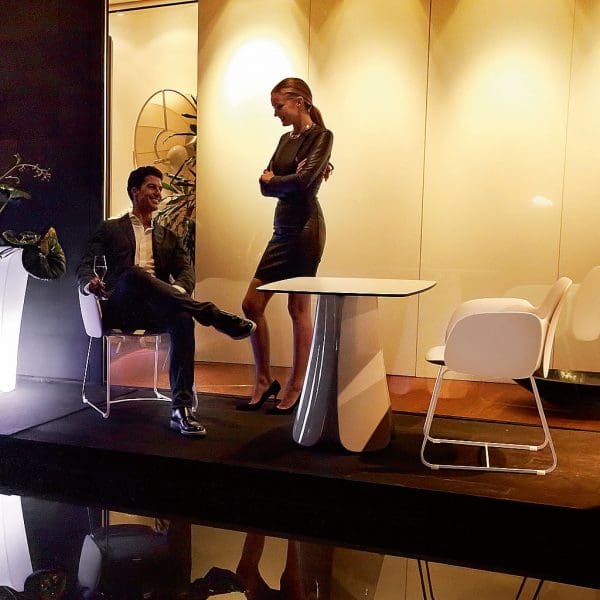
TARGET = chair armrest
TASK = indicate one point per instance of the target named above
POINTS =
(91, 314)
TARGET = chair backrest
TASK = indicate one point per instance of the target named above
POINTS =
(549, 312)
(586, 308)
(91, 314)
(504, 337)
(495, 343)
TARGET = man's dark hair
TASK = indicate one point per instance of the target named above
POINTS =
(136, 177)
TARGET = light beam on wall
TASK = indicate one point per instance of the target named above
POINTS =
(541, 201)
(13, 283)
(255, 67)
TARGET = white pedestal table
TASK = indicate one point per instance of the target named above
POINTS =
(345, 397)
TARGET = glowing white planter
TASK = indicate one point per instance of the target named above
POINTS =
(13, 283)
(15, 559)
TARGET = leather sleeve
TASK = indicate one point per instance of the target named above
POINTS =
(317, 157)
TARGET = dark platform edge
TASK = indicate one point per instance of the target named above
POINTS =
(517, 537)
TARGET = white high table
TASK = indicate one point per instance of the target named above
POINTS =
(345, 397)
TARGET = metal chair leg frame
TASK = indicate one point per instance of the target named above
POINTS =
(83, 395)
(106, 413)
(486, 444)
(434, 399)
(158, 395)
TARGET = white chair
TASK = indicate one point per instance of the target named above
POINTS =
(91, 314)
(498, 338)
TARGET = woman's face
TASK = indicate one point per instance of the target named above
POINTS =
(286, 109)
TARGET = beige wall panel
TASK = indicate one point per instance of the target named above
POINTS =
(246, 48)
(496, 127)
(153, 49)
(580, 241)
(368, 72)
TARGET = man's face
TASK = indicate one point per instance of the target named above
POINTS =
(147, 197)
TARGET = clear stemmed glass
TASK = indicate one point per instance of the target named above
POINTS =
(100, 267)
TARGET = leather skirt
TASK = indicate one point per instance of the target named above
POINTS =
(295, 249)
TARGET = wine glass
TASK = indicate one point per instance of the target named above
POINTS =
(100, 267)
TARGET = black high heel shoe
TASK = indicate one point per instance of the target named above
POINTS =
(284, 411)
(272, 390)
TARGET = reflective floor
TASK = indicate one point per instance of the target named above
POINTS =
(52, 551)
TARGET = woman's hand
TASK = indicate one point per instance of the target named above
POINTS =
(266, 176)
(324, 175)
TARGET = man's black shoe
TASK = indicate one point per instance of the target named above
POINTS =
(233, 326)
(183, 421)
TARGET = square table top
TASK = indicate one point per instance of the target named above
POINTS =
(349, 286)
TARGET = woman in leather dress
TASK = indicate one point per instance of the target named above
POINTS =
(294, 175)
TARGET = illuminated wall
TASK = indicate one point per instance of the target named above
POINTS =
(245, 47)
(152, 49)
(466, 146)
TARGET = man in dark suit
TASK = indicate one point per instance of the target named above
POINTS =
(148, 285)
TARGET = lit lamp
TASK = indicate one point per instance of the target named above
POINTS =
(13, 283)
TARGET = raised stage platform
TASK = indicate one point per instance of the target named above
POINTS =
(249, 474)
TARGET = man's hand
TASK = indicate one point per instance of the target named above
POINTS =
(266, 176)
(97, 287)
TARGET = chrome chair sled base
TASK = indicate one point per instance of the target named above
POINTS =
(486, 445)
(92, 320)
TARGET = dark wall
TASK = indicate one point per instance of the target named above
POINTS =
(51, 112)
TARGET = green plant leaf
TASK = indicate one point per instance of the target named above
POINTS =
(167, 186)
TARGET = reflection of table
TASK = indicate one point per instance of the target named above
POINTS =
(345, 396)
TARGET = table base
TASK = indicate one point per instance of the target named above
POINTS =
(345, 397)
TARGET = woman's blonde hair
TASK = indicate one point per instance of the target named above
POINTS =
(294, 87)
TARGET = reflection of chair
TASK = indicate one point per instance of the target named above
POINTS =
(127, 561)
(586, 308)
(92, 320)
(498, 338)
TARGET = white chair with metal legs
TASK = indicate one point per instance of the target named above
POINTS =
(498, 338)
(91, 314)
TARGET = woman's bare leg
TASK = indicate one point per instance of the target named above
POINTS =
(299, 309)
(254, 305)
(248, 566)
(291, 582)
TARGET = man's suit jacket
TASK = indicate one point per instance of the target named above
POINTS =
(116, 240)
